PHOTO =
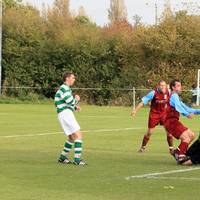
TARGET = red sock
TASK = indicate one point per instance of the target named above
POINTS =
(145, 141)
(183, 148)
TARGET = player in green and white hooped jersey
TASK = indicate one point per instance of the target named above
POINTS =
(66, 104)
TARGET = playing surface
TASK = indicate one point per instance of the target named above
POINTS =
(31, 140)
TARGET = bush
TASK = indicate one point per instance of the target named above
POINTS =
(38, 49)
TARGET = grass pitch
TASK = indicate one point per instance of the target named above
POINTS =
(31, 140)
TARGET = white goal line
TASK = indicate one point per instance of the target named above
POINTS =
(158, 174)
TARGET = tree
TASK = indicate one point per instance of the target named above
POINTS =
(10, 3)
(167, 10)
(81, 12)
(137, 20)
(59, 15)
(37, 49)
(118, 11)
(58, 18)
(83, 18)
(62, 8)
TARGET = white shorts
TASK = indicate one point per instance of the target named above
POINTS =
(68, 122)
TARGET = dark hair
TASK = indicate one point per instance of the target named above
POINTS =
(173, 83)
(194, 86)
(67, 75)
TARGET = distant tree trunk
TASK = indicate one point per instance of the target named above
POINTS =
(59, 15)
(117, 11)
(62, 8)
(81, 12)
(167, 10)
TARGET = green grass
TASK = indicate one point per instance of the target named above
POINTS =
(28, 168)
(25, 99)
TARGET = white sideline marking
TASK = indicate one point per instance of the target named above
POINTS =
(101, 116)
(157, 174)
(174, 178)
(86, 131)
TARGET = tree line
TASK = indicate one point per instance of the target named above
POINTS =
(39, 46)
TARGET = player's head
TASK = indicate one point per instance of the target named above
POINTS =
(69, 78)
(194, 86)
(162, 86)
(175, 86)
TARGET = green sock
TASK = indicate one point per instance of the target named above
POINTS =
(77, 150)
(67, 148)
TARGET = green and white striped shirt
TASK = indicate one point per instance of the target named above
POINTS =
(64, 99)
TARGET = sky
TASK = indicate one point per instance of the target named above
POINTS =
(97, 10)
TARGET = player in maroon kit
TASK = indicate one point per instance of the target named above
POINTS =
(174, 126)
(159, 104)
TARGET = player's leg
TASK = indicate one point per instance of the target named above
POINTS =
(154, 120)
(180, 153)
(68, 145)
(188, 163)
(64, 156)
(180, 132)
(194, 148)
(169, 137)
(170, 142)
(194, 153)
(146, 139)
(78, 148)
(186, 138)
(72, 130)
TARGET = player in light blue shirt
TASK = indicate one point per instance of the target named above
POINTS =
(174, 126)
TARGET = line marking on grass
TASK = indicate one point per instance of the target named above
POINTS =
(84, 131)
(157, 174)
(101, 116)
(174, 178)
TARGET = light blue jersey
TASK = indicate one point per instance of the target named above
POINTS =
(181, 107)
(146, 99)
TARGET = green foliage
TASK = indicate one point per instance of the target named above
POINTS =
(10, 3)
(38, 49)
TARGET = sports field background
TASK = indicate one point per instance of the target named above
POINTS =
(30, 143)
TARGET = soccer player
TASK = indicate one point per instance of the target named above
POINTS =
(174, 126)
(193, 154)
(159, 104)
(66, 104)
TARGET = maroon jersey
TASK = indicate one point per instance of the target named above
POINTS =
(159, 107)
(172, 123)
(160, 102)
(172, 113)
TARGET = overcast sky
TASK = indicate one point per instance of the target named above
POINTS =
(98, 9)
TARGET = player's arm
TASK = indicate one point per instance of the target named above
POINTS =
(76, 99)
(138, 107)
(145, 100)
(76, 103)
(191, 110)
(70, 99)
(177, 104)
